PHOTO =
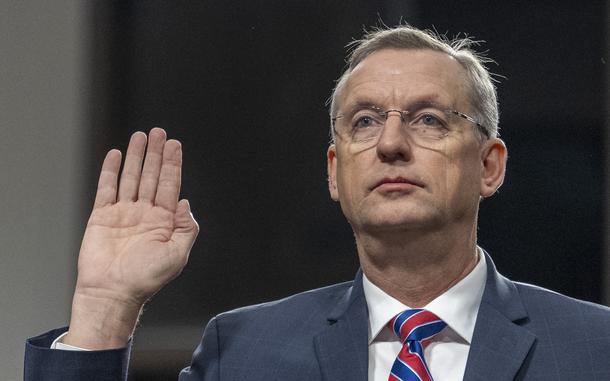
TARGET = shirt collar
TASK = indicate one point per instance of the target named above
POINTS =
(458, 306)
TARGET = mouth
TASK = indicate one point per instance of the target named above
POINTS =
(397, 183)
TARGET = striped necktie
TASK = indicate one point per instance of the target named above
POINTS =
(415, 328)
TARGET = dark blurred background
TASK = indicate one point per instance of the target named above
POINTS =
(243, 85)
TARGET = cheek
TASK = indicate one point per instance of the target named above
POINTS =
(457, 175)
(345, 178)
(466, 175)
(351, 180)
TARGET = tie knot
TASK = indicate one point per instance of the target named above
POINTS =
(416, 325)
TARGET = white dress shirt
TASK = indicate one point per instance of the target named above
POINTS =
(446, 355)
(57, 344)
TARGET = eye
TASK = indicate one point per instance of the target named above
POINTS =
(429, 124)
(430, 120)
(366, 121)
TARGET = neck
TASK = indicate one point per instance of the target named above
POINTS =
(416, 267)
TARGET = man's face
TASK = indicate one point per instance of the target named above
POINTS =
(398, 184)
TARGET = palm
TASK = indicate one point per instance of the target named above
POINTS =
(130, 245)
(138, 236)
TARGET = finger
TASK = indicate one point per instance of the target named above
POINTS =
(152, 165)
(168, 188)
(130, 177)
(107, 183)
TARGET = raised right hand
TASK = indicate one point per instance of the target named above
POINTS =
(138, 238)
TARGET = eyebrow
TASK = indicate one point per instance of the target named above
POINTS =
(363, 102)
(422, 102)
(362, 105)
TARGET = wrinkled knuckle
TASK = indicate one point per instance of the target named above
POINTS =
(129, 176)
(173, 162)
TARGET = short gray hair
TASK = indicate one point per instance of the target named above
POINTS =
(483, 98)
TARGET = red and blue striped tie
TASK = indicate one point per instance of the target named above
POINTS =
(415, 328)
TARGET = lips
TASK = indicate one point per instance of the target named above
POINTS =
(397, 180)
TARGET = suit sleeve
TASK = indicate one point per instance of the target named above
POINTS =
(45, 364)
(206, 358)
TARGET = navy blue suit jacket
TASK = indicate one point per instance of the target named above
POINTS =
(522, 332)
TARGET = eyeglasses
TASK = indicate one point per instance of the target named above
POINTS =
(427, 124)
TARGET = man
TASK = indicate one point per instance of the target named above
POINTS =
(415, 147)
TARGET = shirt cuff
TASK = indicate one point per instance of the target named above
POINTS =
(57, 344)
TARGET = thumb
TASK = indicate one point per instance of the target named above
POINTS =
(185, 226)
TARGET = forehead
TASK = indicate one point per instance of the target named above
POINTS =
(398, 77)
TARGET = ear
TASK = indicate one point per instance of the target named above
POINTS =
(493, 166)
(331, 168)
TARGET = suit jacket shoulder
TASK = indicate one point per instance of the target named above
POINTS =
(573, 334)
(525, 332)
(539, 300)
(283, 339)
(309, 304)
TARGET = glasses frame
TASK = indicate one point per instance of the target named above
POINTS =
(402, 113)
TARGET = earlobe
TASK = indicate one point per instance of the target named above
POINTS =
(331, 167)
(493, 166)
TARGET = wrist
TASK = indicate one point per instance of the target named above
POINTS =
(101, 322)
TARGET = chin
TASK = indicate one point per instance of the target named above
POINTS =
(395, 215)
(402, 222)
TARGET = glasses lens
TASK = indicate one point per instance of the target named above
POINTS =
(424, 124)
(428, 123)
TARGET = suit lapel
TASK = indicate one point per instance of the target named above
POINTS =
(499, 345)
(342, 348)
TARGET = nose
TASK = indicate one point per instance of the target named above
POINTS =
(393, 144)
